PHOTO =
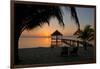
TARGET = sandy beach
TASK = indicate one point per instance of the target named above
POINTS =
(43, 55)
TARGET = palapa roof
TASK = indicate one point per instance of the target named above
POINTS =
(56, 33)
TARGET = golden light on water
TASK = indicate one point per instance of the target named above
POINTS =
(34, 42)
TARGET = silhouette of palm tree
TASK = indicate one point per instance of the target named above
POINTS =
(87, 34)
(29, 16)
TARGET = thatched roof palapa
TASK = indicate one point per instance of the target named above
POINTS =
(56, 33)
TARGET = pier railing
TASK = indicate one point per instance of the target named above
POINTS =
(72, 42)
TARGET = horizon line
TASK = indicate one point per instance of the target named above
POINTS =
(41, 36)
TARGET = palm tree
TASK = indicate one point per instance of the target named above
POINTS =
(29, 16)
(87, 34)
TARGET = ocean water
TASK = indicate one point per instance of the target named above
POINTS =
(31, 42)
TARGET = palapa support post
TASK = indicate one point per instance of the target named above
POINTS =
(56, 39)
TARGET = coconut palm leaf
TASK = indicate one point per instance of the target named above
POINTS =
(74, 16)
(31, 16)
(86, 35)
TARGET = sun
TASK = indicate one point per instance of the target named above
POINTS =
(46, 33)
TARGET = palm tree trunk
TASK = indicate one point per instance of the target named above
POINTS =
(84, 45)
(16, 57)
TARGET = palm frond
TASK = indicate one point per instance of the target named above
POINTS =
(86, 34)
(74, 16)
(29, 16)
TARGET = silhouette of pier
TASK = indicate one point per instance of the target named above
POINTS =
(71, 42)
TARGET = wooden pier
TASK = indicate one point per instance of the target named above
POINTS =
(71, 42)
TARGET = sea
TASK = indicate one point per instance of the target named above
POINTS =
(43, 41)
